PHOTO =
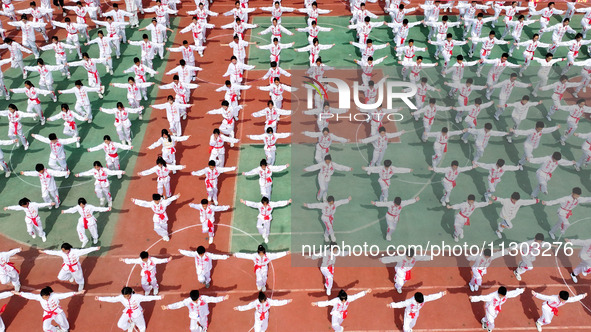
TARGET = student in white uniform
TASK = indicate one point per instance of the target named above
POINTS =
(32, 220)
(529, 251)
(551, 305)
(509, 210)
(261, 314)
(584, 266)
(46, 177)
(548, 165)
(198, 306)
(212, 173)
(586, 149)
(325, 171)
(565, 211)
(148, 270)
(261, 260)
(207, 216)
(380, 144)
(203, 263)
(217, 148)
(168, 142)
(264, 218)
(404, 265)
(82, 105)
(393, 214)
(462, 218)
(3, 295)
(480, 265)
(449, 180)
(440, 144)
(133, 314)
(15, 127)
(413, 306)
(87, 220)
(340, 305)
(111, 156)
(57, 156)
(160, 218)
(9, 272)
(493, 303)
(265, 172)
(52, 311)
(325, 139)
(328, 209)
(327, 265)
(162, 172)
(102, 185)
(71, 269)
(270, 140)
(496, 172)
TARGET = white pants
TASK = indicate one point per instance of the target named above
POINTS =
(204, 276)
(17, 134)
(264, 227)
(266, 189)
(447, 188)
(409, 322)
(477, 274)
(11, 277)
(124, 133)
(147, 286)
(490, 315)
(67, 275)
(528, 150)
(82, 231)
(459, 223)
(583, 267)
(163, 187)
(83, 109)
(572, 126)
(33, 229)
(58, 164)
(436, 158)
(392, 222)
(124, 322)
(261, 276)
(219, 156)
(161, 229)
(103, 192)
(585, 158)
(261, 325)
(320, 153)
(562, 225)
(547, 315)
(543, 179)
(270, 156)
(328, 277)
(49, 194)
(377, 157)
(60, 319)
(322, 188)
(526, 264)
(113, 163)
(206, 229)
(336, 321)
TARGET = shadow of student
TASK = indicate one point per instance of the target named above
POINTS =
(30, 254)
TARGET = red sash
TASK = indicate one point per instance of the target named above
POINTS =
(453, 183)
(493, 180)
(269, 180)
(85, 223)
(72, 124)
(263, 315)
(407, 276)
(70, 266)
(266, 217)
(345, 314)
(49, 315)
(113, 155)
(561, 95)
(467, 219)
(498, 308)
(256, 267)
(554, 310)
(11, 264)
(208, 184)
(160, 215)
(15, 128)
(209, 226)
(465, 100)
(129, 312)
(148, 276)
(430, 120)
(2, 309)
(96, 77)
(445, 147)
(35, 221)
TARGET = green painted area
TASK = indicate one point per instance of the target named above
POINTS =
(360, 222)
(62, 228)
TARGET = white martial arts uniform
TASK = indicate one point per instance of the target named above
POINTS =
(412, 309)
(133, 314)
(493, 303)
(203, 264)
(261, 265)
(265, 177)
(148, 272)
(163, 177)
(160, 217)
(207, 217)
(52, 311)
(339, 309)
(71, 268)
(86, 221)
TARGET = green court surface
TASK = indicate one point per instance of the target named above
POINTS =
(63, 228)
(359, 222)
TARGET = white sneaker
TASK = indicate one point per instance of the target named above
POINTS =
(326, 239)
(7, 97)
(210, 239)
(166, 239)
(475, 288)
(146, 293)
(17, 288)
(34, 236)
(509, 139)
(495, 116)
(388, 237)
(185, 116)
(499, 234)
(77, 144)
(43, 121)
(102, 202)
(399, 290)
(264, 289)
(80, 287)
(576, 95)
(517, 275)
(456, 239)
(574, 277)
(215, 202)
(328, 291)
(94, 241)
(552, 235)
(471, 287)
(539, 327)
(84, 243)
(7, 174)
(156, 291)
(577, 168)
(71, 280)
(43, 238)
(266, 240)
(548, 117)
(140, 117)
(333, 238)
(110, 203)
(563, 143)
